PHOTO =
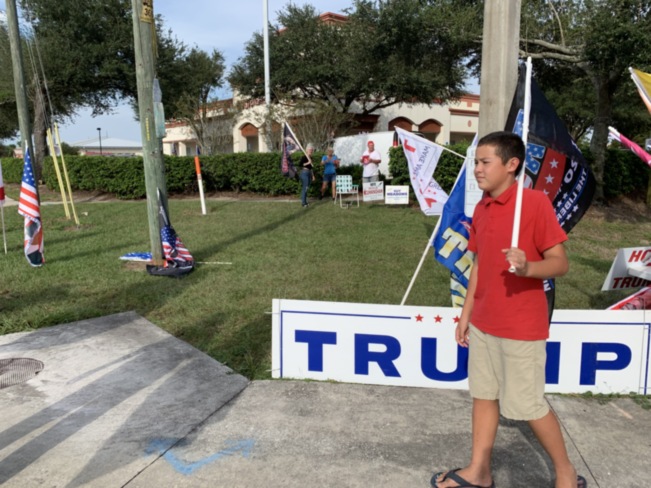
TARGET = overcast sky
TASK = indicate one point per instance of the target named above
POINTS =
(209, 24)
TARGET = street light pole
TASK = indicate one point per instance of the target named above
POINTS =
(99, 131)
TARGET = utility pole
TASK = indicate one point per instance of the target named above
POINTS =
(267, 89)
(499, 62)
(144, 42)
(19, 82)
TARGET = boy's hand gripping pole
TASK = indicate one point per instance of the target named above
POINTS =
(525, 135)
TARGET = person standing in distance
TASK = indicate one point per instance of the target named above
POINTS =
(330, 162)
(505, 319)
(307, 174)
(371, 160)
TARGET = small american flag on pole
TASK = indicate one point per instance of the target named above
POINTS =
(29, 207)
(174, 251)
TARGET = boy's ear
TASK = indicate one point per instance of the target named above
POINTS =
(512, 165)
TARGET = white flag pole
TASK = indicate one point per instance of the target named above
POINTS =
(4, 236)
(2, 210)
(525, 135)
(430, 243)
(197, 169)
(297, 142)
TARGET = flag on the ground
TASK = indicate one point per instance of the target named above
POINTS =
(29, 207)
(450, 241)
(174, 251)
(554, 163)
(422, 157)
(290, 146)
(628, 144)
(2, 188)
(643, 82)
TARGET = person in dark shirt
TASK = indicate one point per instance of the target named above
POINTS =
(307, 174)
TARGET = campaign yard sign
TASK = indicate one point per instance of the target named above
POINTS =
(600, 351)
(396, 195)
(373, 191)
(629, 269)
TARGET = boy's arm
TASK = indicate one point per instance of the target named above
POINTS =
(461, 333)
(553, 264)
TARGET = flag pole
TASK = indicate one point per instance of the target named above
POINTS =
(197, 168)
(525, 135)
(4, 236)
(55, 160)
(422, 260)
(65, 174)
(296, 139)
(2, 208)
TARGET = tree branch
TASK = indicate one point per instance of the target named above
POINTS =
(570, 51)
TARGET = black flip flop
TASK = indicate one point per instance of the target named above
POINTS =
(461, 482)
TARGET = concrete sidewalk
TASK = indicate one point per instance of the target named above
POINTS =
(120, 402)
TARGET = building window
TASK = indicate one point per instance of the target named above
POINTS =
(402, 122)
(430, 129)
(250, 134)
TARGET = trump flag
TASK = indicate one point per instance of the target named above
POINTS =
(554, 163)
(422, 157)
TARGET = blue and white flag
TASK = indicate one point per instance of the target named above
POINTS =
(451, 239)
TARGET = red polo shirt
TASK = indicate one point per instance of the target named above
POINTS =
(507, 305)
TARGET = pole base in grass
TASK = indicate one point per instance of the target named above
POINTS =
(175, 272)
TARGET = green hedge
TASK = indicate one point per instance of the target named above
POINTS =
(625, 174)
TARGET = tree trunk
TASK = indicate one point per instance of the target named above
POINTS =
(600, 133)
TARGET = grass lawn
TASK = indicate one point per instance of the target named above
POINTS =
(277, 250)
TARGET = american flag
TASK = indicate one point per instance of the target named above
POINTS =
(174, 251)
(173, 247)
(30, 208)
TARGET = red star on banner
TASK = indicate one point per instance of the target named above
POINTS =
(419, 318)
(456, 320)
(438, 319)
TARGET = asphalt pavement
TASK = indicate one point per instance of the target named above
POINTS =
(121, 403)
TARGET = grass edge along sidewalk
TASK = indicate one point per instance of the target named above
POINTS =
(277, 250)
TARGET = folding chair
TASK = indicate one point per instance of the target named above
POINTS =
(344, 186)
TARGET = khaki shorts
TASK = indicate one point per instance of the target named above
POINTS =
(510, 371)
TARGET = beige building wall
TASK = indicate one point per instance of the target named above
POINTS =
(455, 121)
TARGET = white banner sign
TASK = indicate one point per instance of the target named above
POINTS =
(629, 267)
(588, 350)
(397, 195)
(373, 192)
(422, 158)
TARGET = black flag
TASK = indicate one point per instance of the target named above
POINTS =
(554, 163)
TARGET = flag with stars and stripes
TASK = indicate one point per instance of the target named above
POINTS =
(174, 251)
(29, 207)
(554, 163)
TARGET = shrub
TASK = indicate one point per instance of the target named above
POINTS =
(625, 174)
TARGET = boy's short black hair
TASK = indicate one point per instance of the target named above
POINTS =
(507, 145)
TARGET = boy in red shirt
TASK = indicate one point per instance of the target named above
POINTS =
(505, 315)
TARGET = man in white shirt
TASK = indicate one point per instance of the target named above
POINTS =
(371, 160)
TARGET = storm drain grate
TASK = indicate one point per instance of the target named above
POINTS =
(17, 370)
